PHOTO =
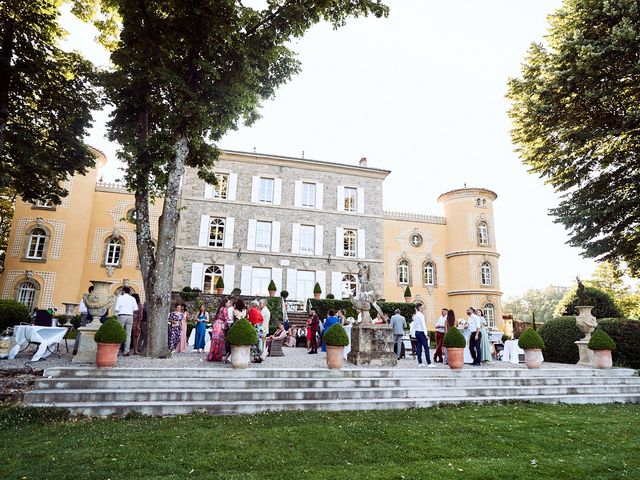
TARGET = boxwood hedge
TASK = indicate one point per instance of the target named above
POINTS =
(559, 335)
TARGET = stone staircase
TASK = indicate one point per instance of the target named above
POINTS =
(156, 391)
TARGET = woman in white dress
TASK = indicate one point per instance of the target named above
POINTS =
(485, 344)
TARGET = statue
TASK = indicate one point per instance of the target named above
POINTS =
(587, 323)
(582, 296)
(362, 301)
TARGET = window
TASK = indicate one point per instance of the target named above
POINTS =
(114, 249)
(260, 278)
(403, 272)
(416, 240)
(211, 275)
(350, 199)
(490, 315)
(263, 236)
(35, 248)
(220, 190)
(483, 233)
(485, 273)
(43, 203)
(307, 239)
(27, 294)
(350, 243)
(429, 274)
(265, 193)
(308, 195)
(216, 232)
(349, 285)
(305, 281)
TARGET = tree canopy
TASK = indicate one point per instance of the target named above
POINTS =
(576, 117)
(538, 302)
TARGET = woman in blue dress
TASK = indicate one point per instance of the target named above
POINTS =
(201, 329)
(332, 319)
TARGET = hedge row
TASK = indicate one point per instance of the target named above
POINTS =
(322, 306)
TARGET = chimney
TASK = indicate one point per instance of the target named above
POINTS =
(363, 162)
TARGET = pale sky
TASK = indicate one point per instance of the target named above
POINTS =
(421, 93)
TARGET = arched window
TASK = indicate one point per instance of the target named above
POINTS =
(216, 232)
(211, 275)
(403, 272)
(35, 247)
(27, 294)
(350, 243)
(490, 314)
(429, 274)
(485, 273)
(113, 252)
(349, 285)
(483, 233)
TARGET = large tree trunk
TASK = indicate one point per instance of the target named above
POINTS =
(157, 270)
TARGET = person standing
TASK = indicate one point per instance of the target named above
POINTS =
(330, 321)
(255, 318)
(126, 305)
(314, 326)
(266, 316)
(420, 329)
(202, 319)
(485, 344)
(136, 326)
(398, 323)
(84, 320)
(450, 323)
(220, 322)
(176, 318)
(440, 330)
(473, 324)
(182, 344)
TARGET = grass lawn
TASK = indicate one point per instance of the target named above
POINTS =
(506, 441)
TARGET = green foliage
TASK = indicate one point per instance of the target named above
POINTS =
(272, 286)
(330, 296)
(111, 332)
(604, 305)
(274, 304)
(219, 283)
(407, 292)
(559, 336)
(454, 339)
(322, 307)
(540, 303)
(336, 336)
(626, 335)
(284, 294)
(575, 122)
(316, 288)
(530, 339)
(7, 205)
(505, 337)
(242, 333)
(601, 341)
(610, 278)
(189, 294)
(12, 313)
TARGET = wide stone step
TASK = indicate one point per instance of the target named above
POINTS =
(251, 407)
(234, 395)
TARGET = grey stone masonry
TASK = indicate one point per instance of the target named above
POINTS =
(286, 253)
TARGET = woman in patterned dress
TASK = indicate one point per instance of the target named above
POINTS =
(217, 350)
(176, 319)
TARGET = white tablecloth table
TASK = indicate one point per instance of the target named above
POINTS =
(347, 349)
(467, 353)
(207, 338)
(495, 337)
(511, 352)
(46, 336)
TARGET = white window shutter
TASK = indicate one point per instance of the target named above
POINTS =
(340, 199)
(292, 280)
(208, 190)
(228, 276)
(276, 276)
(232, 188)
(361, 244)
(251, 235)
(205, 230)
(245, 280)
(339, 242)
(275, 237)
(197, 275)
(360, 200)
(230, 224)
(297, 194)
(295, 238)
(319, 195)
(319, 239)
(336, 284)
(321, 278)
(255, 189)
(277, 191)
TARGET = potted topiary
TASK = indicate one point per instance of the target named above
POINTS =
(336, 339)
(109, 337)
(219, 286)
(601, 344)
(241, 336)
(284, 294)
(330, 296)
(317, 291)
(407, 294)
(455, 344)
(532, 344)
(272, 288)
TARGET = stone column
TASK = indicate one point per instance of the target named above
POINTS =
(372, 345)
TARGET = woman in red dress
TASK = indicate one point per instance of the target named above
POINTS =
(217, 350)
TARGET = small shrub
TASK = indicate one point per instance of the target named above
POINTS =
(12, 313)
(530, 340)
(330, 296)
(272, 286)
(284, 294)
(454, 339)
(316, 288)
(236, 292)
(336, 336)
(242, 333)
(219, 283)
(626, 335)
(601, 341)
(559, 336)
(110, 332)
(407, 292)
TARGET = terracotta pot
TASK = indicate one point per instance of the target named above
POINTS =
(335, 357)
(602, 359)
(107, 354)
(316, 296)
(219, 291)
(533, 358)
(407, 299)
(272, 293)
(240, 356)
(455, 358)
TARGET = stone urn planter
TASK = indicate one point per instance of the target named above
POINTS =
(336, 339)
(108, 338)
(602, 359)
(533, 357)
(532, 344)
(587, 323)
(272, 293)
(601, 344)
(335, 357)
(455, 358)
(107, 354)
(97, 303)
(241, 336)
(219, 291)
(240, 356)
(455, 343)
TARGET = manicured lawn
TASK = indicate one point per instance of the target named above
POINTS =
(506, 441)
